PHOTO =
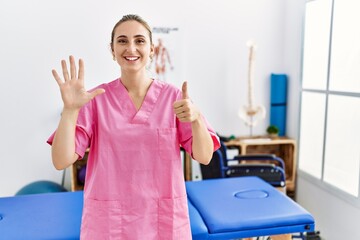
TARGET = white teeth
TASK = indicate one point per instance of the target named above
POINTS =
(132, 58)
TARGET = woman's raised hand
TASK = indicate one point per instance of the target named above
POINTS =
(184, 109)
(73, 92)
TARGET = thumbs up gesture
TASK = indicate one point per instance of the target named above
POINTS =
(184, 109)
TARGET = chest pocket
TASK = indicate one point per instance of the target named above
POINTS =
(169, 148)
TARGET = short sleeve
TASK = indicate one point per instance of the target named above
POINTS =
(83, 131)
(185, 135)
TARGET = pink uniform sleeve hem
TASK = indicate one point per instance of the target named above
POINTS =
(80, 138)
(216, 141)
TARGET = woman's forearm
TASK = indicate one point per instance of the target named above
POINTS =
(63, 146)
(202, 145)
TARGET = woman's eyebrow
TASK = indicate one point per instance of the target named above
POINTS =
(139, 36)
(136, 36)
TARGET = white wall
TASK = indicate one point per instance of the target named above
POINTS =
(335, 218)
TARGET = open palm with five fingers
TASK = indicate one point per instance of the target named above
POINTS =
(73, 92)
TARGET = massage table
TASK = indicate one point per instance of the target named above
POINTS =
(243, 207)
(224, 208)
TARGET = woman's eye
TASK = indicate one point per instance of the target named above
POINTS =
(140, 41)
(122, 41)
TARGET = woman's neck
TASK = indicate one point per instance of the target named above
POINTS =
(136, 83)
(137, 87)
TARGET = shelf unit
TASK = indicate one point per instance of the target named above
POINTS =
(282, 147)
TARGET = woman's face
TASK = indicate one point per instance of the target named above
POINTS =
(131, 46)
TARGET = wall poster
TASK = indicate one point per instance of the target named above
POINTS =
(166, 64)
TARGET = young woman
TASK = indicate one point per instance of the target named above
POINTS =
(134, 127)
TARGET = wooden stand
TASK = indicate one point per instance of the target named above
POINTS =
(187, 167)
(75, 168)
(282, 147)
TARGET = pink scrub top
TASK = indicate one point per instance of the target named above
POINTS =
(134, 186)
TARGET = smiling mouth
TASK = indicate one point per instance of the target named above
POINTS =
(132, 58)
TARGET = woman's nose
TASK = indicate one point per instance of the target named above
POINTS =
(131, 47)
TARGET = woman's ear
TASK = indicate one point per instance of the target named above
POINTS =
(112, 52)
(152, 50)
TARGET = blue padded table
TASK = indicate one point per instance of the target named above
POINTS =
(41, 216)
(243, 207)
(219, 209)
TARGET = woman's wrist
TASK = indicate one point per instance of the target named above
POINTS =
(70, 113)
(198, 120)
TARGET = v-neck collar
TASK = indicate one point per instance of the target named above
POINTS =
(148, 104)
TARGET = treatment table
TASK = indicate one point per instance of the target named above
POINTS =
(242, 207)
(225, 208)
